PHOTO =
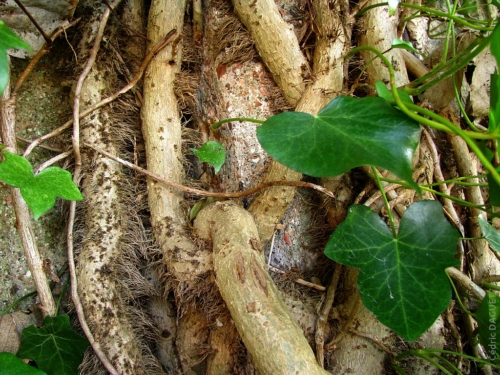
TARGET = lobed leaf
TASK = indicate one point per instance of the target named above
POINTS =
(494, 115)
(490, 233)
(346, 133)
(12, 365)
(55, 347)
(8, 40)
(402, 280)
(38, 191)
(493, 190)
(213, 153)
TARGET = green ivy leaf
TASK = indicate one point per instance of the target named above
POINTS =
(401, 280)
(385, 93)
(38, 191)
(12, 365)
(495, 44)
(493, 189)
(488, 320)
(346, 133)
(401, 44)
(494, 102)
(8, 40)
(490, 233)
(213, 153)
(55, 347)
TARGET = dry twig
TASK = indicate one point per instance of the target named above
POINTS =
(204, 193)
(319, 336)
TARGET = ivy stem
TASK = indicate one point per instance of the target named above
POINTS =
(429, 12)
(442, 121)
(386, 202)
(442, 351)
(222, 122)
(462, 306)
(490, 285)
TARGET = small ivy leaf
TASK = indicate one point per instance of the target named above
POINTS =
(401, 280)
(213, 153)
(385, 93)
(346, 133)
(38, 191)
(490, 233)
(393, 5)
(56, 348)
(488, 320)
(12, 365)
(494, 122)
(8, 40)
(399, 43)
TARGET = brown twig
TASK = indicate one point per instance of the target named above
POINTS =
(48, 40)
(319, 336)
(204, 193)
(53, 160)
(76, 178)
(469, 285)
(48, 148)
(379, 343)
(299, 280)
(38, 56)
(168, 38)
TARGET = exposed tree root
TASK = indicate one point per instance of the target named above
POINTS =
(256, 307)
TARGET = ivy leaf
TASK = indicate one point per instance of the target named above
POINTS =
(346, 133)
(495, 43)
(488, 320)
(12, 365)
(490, 233)
(213, 153)
(385, 93)
(493, 189)
(8, 40)
(55, 347)
(401, 44)
(494, 122)
(38, 191)
(401, 280)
